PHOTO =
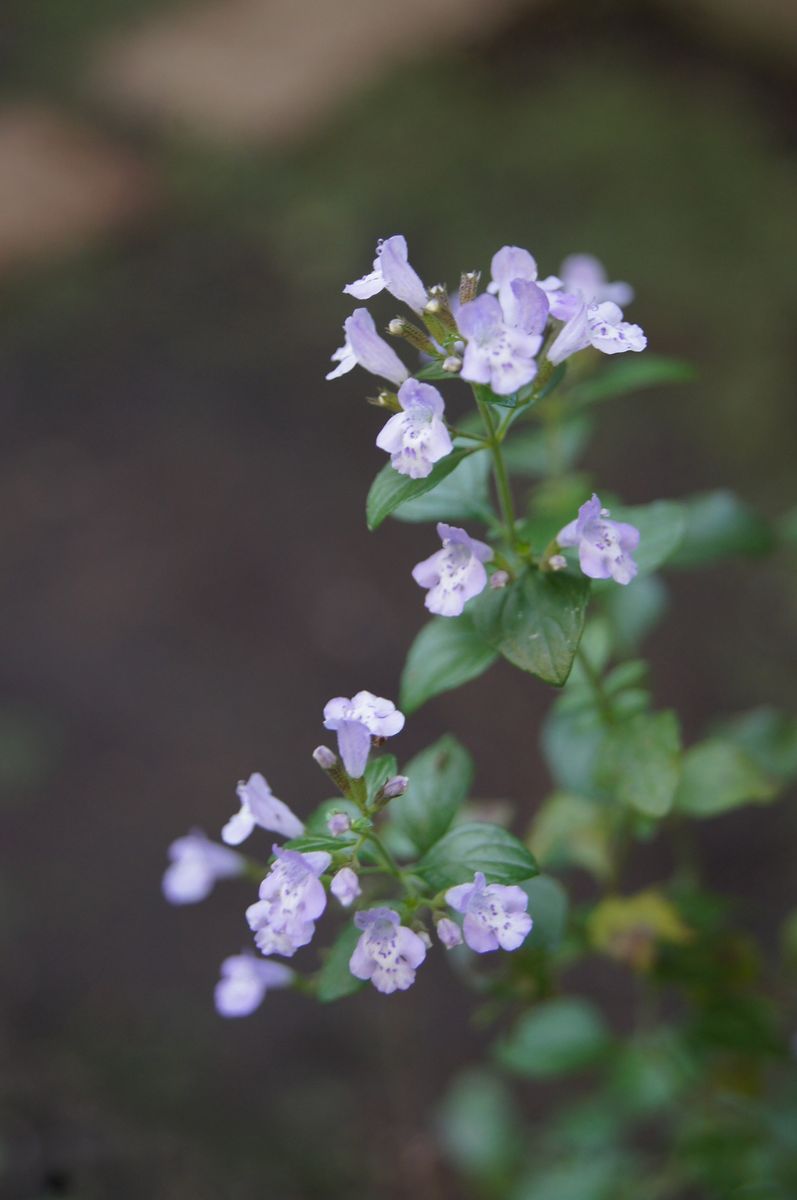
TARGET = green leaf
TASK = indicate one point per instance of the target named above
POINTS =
(718, 525)
(554, 1038)
(640, 762)
(548, 905)
(316, 841)
(630, 374)
(634, 611)
(661, 529)
(597, 1175)
(476, 846)
(440, 779)
(769, 738)
(532, 452)
(432, 372)
(335, 980)
(446, 653)
(479, 1127)
(571, 831)
(718, 776)
(535, 622)
(390, 489)
(377, 773)
(463, 496)
(571, 743)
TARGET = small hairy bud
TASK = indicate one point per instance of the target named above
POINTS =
(449, 933)
(399, 327)
(325, 758)
(499, 579)
(338, 823)
(395, 787)
(452, 364)
(557, 562)
(468, 286)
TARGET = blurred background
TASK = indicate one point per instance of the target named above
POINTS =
(185, 185)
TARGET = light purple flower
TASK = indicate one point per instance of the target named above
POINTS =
(454, 574)
(356, 721)
(496, 352)
(259, 806)
(495, 915)
(510, 264)
(449, 933)
(604, 547)
(599, 325)
(387, 953)
(363, 345)
(338, 823)
(196, 864)
(391, 271)
(586, 275)
(345, 886)
(292, 898)
(245, 981)
(416, 438)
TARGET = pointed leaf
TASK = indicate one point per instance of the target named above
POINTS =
(476, 846)
(335, 980)
(718, 776)
(463, 496)
(446, 653)
(440, 779)
(390, 489)
(641, 761)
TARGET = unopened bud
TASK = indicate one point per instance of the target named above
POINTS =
(387, 400)
(452, 364)
(424, 936)
(557, 562)
(338, 823)
(449, 933)
(469, 286)
(399, 327)
(395, 787)
(325, 758)
(499, 579)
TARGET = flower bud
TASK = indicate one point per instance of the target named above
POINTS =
(557, 562)
(449, 933)
(338, 823)
(499, 579)
(452, 364)
(399, 327)
(468, 286)
(325, 758)
(345, 886)
(395, 787)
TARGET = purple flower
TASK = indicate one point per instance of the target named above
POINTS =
(363, 345)
(586, 275)
(391, 271)
(604, 547)
(356, 721)
(416, 438)
(338, 823)
(259, 806)
(387, 953)
(244, 983)
(511, 264)
(498, 351)
(495, 915)
(345, 886)
(599, 325)
(196, 864)
(292, 898)
(454, 574)
(449, 933)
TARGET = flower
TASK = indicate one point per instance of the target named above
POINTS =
(244, 983)
(511, 263)
(387, 953)
(501, 342)
(495, 915)
(416, 438)
(599, 325)
(338, 823)
(604, 547)
(356, 721)
(586, 275)
(291, 899)
(449, 933)
(259, 806)
(196, 864)
(345, 886)
(454, 574)
(363, 345)
(391, 271)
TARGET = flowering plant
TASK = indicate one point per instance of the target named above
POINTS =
(565, 589)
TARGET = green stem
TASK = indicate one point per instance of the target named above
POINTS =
(499, 470)
(596, 683)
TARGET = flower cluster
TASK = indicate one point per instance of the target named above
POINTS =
(293, 893)
(505, 342)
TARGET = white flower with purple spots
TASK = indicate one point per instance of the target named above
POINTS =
(498, 351)
(416, 438)
(495, 915)
(363, 345)
(454, 574)
(388, 953)
(356, 721)
(599, 325)
(260, 807)
(292, 898)
(393, 272)
(345, 886)
(196, 864)
(604, 547)
(244, 982)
